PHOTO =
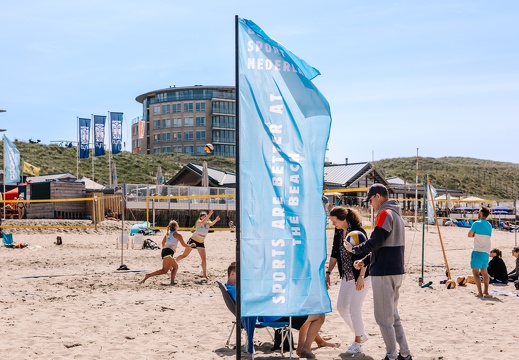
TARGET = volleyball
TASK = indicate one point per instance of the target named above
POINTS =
(355, 237)
(462, 281)
(450, 284)
(209, 148)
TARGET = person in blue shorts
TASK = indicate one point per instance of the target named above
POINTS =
(481, 231)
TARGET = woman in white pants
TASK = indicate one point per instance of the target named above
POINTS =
(354, 283)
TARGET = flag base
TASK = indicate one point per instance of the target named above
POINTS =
(123, 267)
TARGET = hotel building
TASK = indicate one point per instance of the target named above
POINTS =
(182, 120)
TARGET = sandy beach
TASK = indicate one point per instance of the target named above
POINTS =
(70, 302)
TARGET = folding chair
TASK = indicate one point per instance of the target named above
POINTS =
(231, 305)
(124, 241)
(137, 241)
(8, 240)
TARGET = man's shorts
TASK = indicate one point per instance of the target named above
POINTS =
(479, 260)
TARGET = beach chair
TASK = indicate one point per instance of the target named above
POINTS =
(8, 240)
(123, 243)
(137, 241)
(231, 305)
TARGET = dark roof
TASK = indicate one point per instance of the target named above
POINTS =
(191, 175)
(344, 175)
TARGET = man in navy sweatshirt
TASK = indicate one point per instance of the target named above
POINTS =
(387, 245)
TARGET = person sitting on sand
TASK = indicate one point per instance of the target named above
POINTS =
(169, 245)
(110, 215)
(497, 268)
(308, 326)
(513, 275)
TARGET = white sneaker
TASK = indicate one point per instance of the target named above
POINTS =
(364, 338)
(355, 348)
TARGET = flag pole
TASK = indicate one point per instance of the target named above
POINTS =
(77, 148)
(238, 197)
(93, 142)
(110, 152)
(5, 167)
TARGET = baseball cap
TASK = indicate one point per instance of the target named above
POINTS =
(376, 189)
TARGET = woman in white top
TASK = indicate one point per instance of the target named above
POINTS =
(197, 239)
(169, 246)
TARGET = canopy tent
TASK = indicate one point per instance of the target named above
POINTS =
(11, 194)
(503, 210)
(90, 184)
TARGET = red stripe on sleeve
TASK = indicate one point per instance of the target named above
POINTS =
(381, 217)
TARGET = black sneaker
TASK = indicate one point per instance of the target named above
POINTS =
(408, 357)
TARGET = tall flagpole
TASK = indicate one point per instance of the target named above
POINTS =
(416, 192)
(110, 150)
(77, 148)
(5, 167)
(238, 197)
(92, 127)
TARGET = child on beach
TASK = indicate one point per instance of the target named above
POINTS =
(169, 246)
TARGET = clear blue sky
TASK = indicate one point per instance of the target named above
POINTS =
(441, 76)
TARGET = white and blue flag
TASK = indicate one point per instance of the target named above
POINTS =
(284, 125)
(11, 162)
(84, 138)
(116, 131)
(99, 134)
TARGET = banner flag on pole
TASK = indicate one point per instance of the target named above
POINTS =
(31, 169)
(431, 194)
(11, 162)
(99, 134)
(84, 137)
(141, 129)
(284, 127)
(117, 124)
(114, 174)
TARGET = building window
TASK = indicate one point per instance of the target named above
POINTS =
(177, 122)
(165, 109)
(156, 150)
(188, 136)
(188, 121)
(177, 149)
(200, 106)
(176, 108)
(156, 110)
(156, 124)
(226, 122)
(166, 123)
(225, 150)
(224, 107)
(177, 136)
(200, 135)
(156, 138)
(200, 150)
(166, 149)
(188, 107)
(200, 121)
(224, 136)
(188, 149)
(166, 137)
